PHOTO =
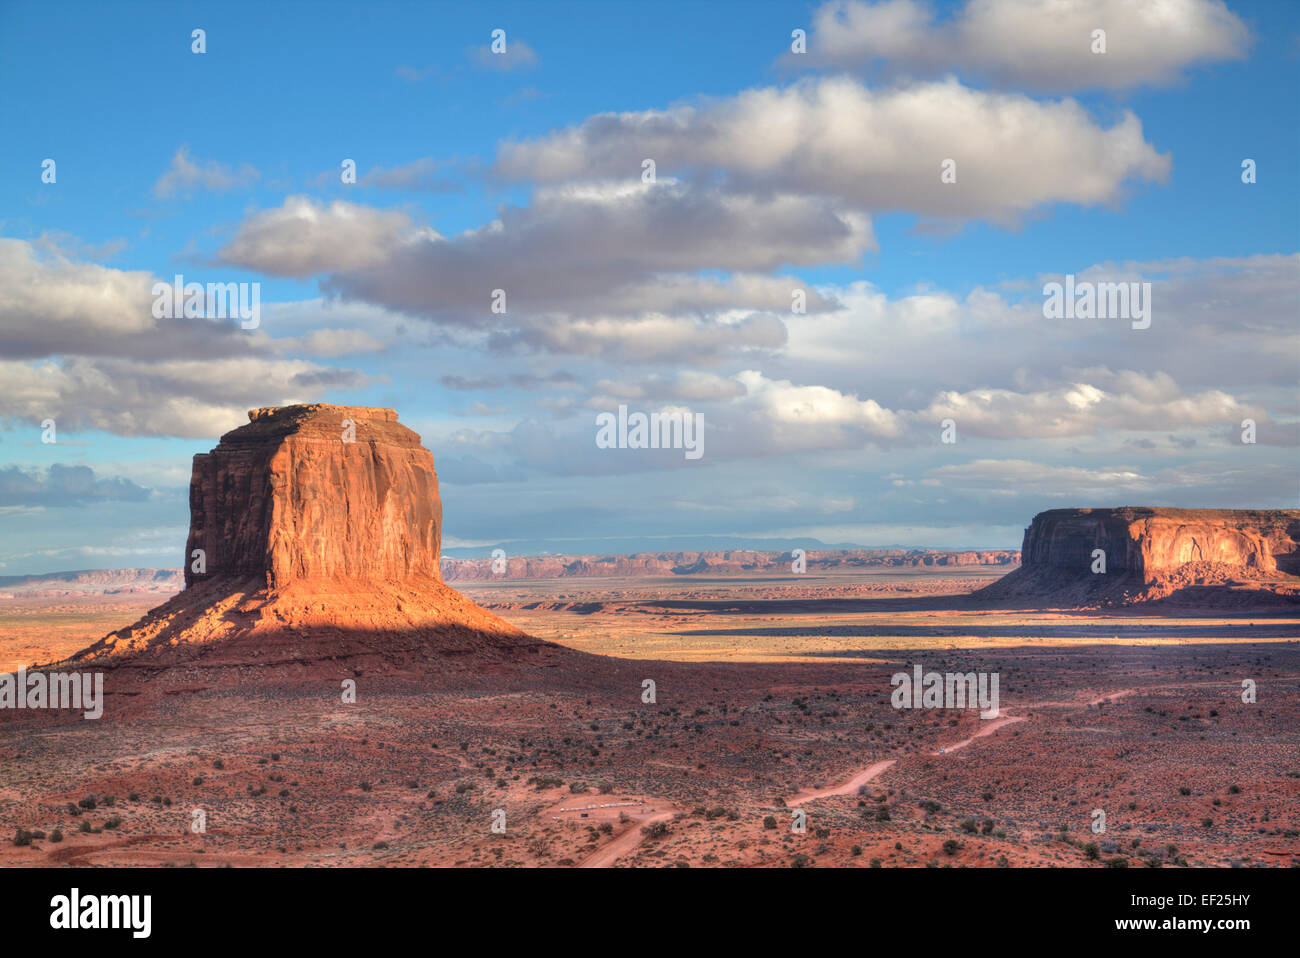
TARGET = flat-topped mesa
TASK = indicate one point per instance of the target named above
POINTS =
(315, 491)
(1146, 542)
(1225, 557)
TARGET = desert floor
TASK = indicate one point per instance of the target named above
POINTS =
(771, 695)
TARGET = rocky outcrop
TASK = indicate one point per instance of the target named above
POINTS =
(318, 491)
(319, 529)
(1152, 553)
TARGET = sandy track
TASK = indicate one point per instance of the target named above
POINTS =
(630, 839)
(848, 788)
(624, 843)
(991, 726)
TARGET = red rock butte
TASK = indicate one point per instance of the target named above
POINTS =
(315, 533)
(318, 491)
(1156, 553)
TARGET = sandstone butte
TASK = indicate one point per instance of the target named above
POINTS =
(1210, 556)
(315, 533)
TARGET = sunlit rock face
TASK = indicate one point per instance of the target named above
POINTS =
(1211, 557)
(1147, 542)
(315, 492)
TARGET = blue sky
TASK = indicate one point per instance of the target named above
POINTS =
(774, 170)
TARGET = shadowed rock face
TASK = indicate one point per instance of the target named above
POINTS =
(1153, 552)
(315, 491)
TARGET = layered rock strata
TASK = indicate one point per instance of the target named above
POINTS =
(1151, 553)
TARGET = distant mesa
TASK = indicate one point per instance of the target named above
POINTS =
(1204, 556)
(315, 533)
(719, 562)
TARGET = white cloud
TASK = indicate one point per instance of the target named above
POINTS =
(190, 398)
(871, 150)
(1041, 45)
(187, 173)
(303, 238)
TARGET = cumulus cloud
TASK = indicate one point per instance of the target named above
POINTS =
(190, 398)
(303, 238)
(64, 485)
(1218, 323)
(1135, 402)
(81, 345)
(50, 302)
(1042, 45)
(873, 150)
(600, 269)
(187, 173)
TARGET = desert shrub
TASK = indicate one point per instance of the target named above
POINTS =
(1117, 863)
(950, 846)
(882, 813)
(970, 826)
(1092, 851)
(22, 837)
(769, 822)
(655, 830)
(855, 851)
(56, 835)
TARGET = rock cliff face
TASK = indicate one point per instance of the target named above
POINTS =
(1153, 553)
(319, 529)
(315, 491)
